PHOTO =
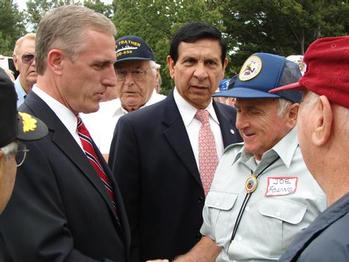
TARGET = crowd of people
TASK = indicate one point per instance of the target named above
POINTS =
(111, 170)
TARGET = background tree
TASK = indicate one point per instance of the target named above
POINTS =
(282, 27)
(11, 26)
(37, 8)
(100, 7)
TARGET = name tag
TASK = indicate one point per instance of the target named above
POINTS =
(281, 186)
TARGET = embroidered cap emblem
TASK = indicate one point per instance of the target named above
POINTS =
(251, 68)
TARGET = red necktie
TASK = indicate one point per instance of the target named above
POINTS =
(90, 152)
(208, 158)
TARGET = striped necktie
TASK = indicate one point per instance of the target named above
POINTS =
(208, 157)
(90, 152)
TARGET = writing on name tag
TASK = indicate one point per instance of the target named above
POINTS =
(281, 186)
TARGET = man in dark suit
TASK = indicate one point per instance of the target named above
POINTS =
(66, 205)
(155, 153)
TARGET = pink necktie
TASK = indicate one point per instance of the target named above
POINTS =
(208, 158)
(86, 142)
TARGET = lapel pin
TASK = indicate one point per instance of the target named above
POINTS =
(232, 131)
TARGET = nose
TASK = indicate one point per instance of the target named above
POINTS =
(109, 78)
(200, 71)
(129, 78)
(241, 121)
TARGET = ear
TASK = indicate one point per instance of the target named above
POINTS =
(55, 61)
(170, 65)
(323, 121)
(225, 63)
(15, 61)
(292, 114)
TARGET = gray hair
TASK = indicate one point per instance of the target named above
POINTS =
(64, 28)
(19, 42)
(283, 106)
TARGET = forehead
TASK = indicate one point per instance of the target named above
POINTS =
(207, 47)
(132, 64)
(28, 45)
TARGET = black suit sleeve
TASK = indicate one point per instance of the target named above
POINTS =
(124, 161)
(34, 225)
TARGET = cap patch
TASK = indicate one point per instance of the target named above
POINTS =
(128, 47)
(251, 68)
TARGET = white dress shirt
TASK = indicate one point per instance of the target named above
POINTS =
(101, 124)
(192, 125)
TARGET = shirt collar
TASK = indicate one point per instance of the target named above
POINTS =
(285, 149)
(188, 111)
(66, 116)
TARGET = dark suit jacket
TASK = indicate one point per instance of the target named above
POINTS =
(153, 162)
(60, 210)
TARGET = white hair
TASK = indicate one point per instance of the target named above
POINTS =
(283, 106)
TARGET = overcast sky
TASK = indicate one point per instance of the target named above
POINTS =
(21, 3)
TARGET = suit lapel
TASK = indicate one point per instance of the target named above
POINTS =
(230, 134)
(61, 137)
(177, 137)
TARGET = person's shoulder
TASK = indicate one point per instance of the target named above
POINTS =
(233, 148)
(148, 113)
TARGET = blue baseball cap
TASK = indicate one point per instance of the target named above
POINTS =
(132, 48)
(262, 72)
(224, 86)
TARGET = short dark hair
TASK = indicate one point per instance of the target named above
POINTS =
(194, 31)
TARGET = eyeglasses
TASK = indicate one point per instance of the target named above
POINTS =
(21, 154)
(137, 74)
(28, 58)
(17, 150)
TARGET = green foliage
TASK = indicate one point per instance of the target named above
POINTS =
(282, 27)
(37, 8)
(11, 26)
(100, 7)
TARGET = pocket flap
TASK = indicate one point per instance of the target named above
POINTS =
(286, 210)
(220, 200)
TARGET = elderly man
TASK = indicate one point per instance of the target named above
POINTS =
(24, 60)
(164, 157)
(262, 193)
(66, 205)
(137, 78)
(14, 128)
(323, 137)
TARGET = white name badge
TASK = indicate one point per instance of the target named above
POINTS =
(281, 186)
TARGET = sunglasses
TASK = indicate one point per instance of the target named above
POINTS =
(28, 58)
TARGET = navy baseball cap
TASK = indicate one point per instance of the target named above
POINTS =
(16, 125)
(132, 48)
(262, 72)
(224, 87)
